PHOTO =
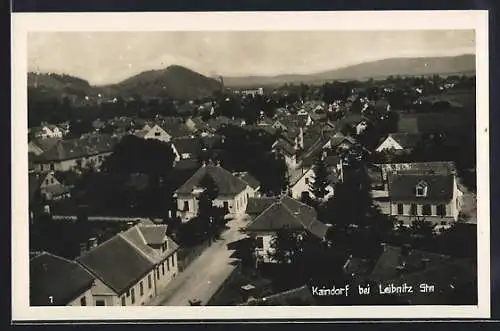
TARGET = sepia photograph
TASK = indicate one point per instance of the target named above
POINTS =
(235, 167)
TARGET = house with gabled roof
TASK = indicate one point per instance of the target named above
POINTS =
(252, 182)
(433, 197)
(288, 151)
(233, 192)
(302, 186)
(56, 281)
(131, 267)
(187, 148)
(400, 142)
(284, 212)
(65, 155)
(52, 186)
(39, 146)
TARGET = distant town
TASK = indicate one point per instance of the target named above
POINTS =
(173, 189)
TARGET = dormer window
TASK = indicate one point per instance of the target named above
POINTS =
(421, 189)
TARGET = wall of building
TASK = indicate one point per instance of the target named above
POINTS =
(267, 239)
(236, 204)
(388, 144)
(407, 218)
(89, 300)
(167, 272)
(158, 133)
(148, 292)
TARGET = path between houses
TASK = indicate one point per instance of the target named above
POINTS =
(202, 278)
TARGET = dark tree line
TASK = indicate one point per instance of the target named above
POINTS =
(250, 150)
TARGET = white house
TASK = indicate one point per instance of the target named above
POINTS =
(433, 197)
(284, 212)
(154, 132)
(56, 281)
(399, 142)
(233, 192)
(131, 267)
(48, 131)
(52, 189)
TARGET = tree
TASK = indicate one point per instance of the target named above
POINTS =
(320, 181)
(285, 246)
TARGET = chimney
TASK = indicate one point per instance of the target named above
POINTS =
(92, 243)
(83, 248)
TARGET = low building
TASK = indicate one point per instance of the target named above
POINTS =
(233, 192)
(303, 185)
(131, 267)
(84, 152)
(39, 146)
(53, 188)
(56, 281)
(187, 148)
(251, 181)
(287, 213)
(433, 197)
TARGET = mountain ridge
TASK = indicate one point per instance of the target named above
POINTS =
(179, 82)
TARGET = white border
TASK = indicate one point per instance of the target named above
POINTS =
(262, 21)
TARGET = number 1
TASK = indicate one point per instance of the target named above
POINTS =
(51, 299)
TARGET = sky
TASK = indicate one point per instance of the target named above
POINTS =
(109, 57)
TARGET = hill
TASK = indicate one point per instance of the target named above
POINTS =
(463, 64)
(58, 84)
(174, 81)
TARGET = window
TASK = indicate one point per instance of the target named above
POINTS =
(149, 281)
(157, 273)
(124, 301)
(173, 260)
(426, 210)
(421, 189)
(168, 263)
(413, 209)
(186, 205)
(441, 210)
(163, 269)
(52, 167)
(400, 209)
(141, 288)
(132, 294)
(83, 301)
(128, 293)
(259, 242)
(307, 181)
(226, 206)
(157, 134)
(100, 303)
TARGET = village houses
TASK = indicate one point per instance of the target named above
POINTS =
(131, 267)
(276, 214)
(233, 192)
(47, 131)
(421, 190)
(69, 154)
(56, 281)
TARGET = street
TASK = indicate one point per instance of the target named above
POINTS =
(201, 279)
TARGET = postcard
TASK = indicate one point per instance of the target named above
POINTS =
(250, 166)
